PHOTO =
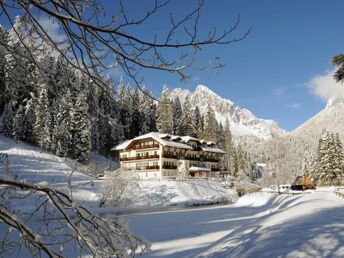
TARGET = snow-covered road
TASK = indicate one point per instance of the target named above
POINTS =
(259, 225)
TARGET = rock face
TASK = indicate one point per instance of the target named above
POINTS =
(242, 121)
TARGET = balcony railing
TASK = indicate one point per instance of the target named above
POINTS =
(209, 159)
(137, 147)
(191, 158)
(169, 156)
(155, 156)
(215, 169)
(169, 166)
(147, 167)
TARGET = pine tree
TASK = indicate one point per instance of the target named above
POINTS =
(164, 121)
(177, 117)
(3, 42)
(209, 132)
(42, 127)
(338, 159)
(127, 112)
(186, 120)
(6, 120)
(220, 135)
(136, 116)
(63, 122)
(326, 160)
(239, 160)
(148, 113)
(228, 147)
(197, 124)
(18, 124)
(82, 134)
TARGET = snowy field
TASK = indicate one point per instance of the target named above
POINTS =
(28, 163)
(259, 225)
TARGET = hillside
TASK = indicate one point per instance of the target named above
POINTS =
(242, 121)
(288, 152)
(28, 163)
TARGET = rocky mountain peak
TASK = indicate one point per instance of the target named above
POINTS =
(242, 121)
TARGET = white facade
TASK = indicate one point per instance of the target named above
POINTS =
(156, 156)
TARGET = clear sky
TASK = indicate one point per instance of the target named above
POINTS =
(290, 45)
(270, 71)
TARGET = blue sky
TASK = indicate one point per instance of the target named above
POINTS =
(270, 72)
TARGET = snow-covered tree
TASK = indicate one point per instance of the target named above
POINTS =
(62, 129)
(197, 123)
(119, 189)
(164, 121)
(329, 163)
(186, 119)
(209, 132)
(82, 133)
(41, 128)
(177, 117)
(148, 112)
(6, 120)
(228, 147)
(18, 124)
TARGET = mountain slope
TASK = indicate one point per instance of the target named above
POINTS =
(242, 121)
(287, 155)
(330, 118)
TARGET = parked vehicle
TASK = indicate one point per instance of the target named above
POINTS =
(101, 176)
(302, 187)
(284, 188)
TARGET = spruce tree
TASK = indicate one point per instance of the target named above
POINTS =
(82, 134)
(228, 147)
(148, 113)
(164, 121)
(197, 124)
(18, 124)
(326, 160)
(6, 120)
(63, 123)
(177, 116)
(186, 119)
(42, 127)
(209, 132)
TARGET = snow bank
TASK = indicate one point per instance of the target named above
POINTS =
(254, 200)
(182, 193)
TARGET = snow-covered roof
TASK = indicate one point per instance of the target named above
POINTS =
(189, 138)
(211, 149)
(157, 137)
(122, 145)
(161, 138)
(194, 169)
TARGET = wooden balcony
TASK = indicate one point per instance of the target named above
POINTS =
(139, 147)
(147, 168)
(209, 159)
(191, 158)
(140, 157)
(169, 166)
(168, 156)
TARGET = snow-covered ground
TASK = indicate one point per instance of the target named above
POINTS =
(29, 163)
(170, 193)
(259, 225)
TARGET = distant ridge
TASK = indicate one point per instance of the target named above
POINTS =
(242, 121)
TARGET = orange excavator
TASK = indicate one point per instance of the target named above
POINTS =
(304, 183)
